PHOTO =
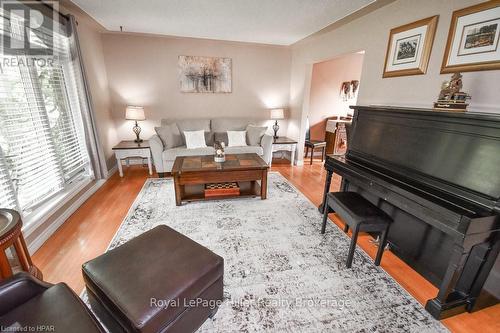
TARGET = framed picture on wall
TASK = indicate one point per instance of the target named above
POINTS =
(205, 74)
(473, 40)
(409, 48)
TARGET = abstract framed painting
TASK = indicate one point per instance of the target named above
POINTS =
(409, 48)
(205, 74)
(473, 39)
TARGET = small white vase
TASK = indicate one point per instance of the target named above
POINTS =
(220, 159)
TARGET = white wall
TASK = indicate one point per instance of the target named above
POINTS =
(370, 33)
(143, 70)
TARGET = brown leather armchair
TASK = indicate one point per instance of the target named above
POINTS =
(29, 304)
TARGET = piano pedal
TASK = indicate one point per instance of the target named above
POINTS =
(376, 242)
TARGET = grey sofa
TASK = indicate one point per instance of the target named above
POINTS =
(163, 159)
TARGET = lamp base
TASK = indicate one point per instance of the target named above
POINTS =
(275, 129)
(137, 131)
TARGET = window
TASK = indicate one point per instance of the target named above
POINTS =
(43, 149)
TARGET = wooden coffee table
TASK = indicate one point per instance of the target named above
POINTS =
(191, 173)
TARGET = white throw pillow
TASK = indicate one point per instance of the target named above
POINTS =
(236, 138)
(195, 139)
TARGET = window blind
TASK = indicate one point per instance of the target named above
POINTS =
(42, 136)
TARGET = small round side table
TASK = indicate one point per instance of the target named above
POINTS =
(11, 235)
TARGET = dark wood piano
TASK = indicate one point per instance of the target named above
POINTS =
(437, 174)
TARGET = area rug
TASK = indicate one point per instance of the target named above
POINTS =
(281, 274)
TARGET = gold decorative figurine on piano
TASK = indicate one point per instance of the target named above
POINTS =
(450, 97)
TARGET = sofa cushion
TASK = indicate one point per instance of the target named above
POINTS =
(245, 150)
(169, 135)
(221, 137)
(171, 154)
(235, 124)
(209, 138)
(228, 124)
(255, 134)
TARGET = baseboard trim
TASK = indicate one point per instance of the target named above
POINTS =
(112, 171)
(35, 244)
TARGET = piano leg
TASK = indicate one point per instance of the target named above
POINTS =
(344, 185)
(328, 182)
(484, 271)
(466, 274)
(447, 303)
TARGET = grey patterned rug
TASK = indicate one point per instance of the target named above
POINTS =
(281, 274)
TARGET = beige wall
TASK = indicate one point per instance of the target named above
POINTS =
(142, 70)
(90, 33)
(326, 81)
(370, 33)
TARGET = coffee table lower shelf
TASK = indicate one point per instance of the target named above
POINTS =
(190, 193)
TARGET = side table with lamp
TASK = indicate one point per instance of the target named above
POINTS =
(135, 113)
(137, 148)
(282, 144)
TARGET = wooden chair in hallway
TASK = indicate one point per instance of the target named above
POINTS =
(315, 144)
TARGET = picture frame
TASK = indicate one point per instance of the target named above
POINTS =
(198, 74)
(473, 39)
(409, 48)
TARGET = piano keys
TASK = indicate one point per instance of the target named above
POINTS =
(437, 174)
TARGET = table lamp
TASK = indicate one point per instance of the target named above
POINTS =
(277, 114)
(135, 113)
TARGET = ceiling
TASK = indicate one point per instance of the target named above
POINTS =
(281, 22)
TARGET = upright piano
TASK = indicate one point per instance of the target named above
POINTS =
(437, 174)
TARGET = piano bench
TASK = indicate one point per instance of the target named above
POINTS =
(360, 215)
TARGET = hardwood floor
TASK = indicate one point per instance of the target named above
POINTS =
(88, 231)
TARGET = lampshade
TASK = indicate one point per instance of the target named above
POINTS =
(277, 114)
(134, 113)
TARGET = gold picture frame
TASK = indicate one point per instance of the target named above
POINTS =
(467, 49)
(409, 48)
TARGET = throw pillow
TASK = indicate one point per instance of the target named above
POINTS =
(209, 138)
(221, 137)
(169, 135)
(255, 134)
(195, 139)
(236, 138)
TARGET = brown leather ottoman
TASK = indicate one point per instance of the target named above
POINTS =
(160, 281)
